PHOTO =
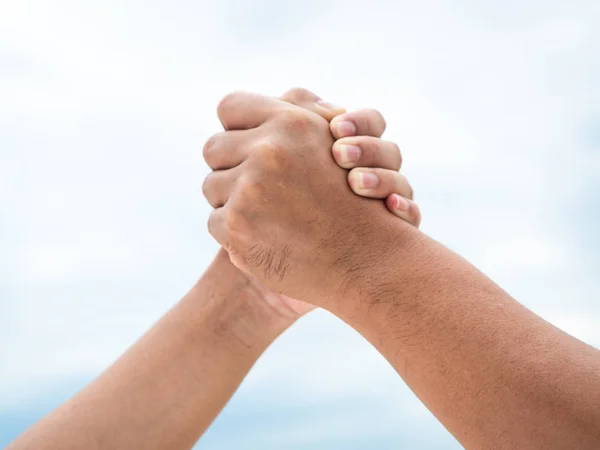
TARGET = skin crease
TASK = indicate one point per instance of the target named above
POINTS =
(495, 374)
(166, 390)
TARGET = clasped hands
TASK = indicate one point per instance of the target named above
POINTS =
(294, 187)
(297, 186)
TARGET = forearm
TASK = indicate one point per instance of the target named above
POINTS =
(167, 389)
(495, 374)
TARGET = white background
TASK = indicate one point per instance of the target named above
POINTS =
(104, 108)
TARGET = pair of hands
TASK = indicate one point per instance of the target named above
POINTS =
(262, 133)
(291, 223)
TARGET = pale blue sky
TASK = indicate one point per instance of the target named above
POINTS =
(104, 107)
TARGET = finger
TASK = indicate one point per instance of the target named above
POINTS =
(218, 185)
(404, 208)
(245, 110)
(227, 149)
(364, 122)
(217, 227)
(367, 151)
(379, 183)
(307, 100)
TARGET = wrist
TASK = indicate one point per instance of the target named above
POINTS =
(232, 307)
(376, 270)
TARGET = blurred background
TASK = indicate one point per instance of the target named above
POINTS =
(104, 109)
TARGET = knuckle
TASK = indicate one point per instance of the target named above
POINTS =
(372, 121)
(209, 149)
(393, 155)
(267, 147)
(298, 119)
(400, 185)
(381, 118)
(233, 218)
(378, 118)
(227, 104)
(244, 183)
(213, 222)
(378, 124)
(248, 189)
(228, 101)
(371, 150)
(207, 184)
(296, 94)
(270, 153)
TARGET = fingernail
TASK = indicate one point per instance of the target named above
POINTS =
(349, 153)
(368, 180)
(401, 203)
(328, 105)
(345, 129)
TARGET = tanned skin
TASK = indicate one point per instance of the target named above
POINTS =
(166, 390)
(494, 373)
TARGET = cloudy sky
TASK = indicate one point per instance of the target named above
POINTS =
(104, 107)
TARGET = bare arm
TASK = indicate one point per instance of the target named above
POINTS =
(494, 373)
(167, 389)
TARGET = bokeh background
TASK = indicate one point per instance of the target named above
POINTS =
(104, 108)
